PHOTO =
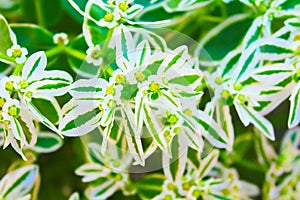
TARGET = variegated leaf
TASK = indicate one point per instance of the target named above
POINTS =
(174, 167)
(47, 142)
(294, 115)
(80, 120)
(251, 116)
(18, 183)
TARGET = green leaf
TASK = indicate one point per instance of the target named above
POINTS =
(93, 33)
(25, 130)
(47, 109)
(200, 121)
(154, 128)
(254, 32)
(230, 61)
(78, 65)
(184, 5)
(6, 36)
(174, 166)
(150, 14)
(150, 185)
(47, 142)
(294, 116)
(256, 119)
(4, 67)
(223, 38)
(133, 137)
(289, 4)
(44, 12)
(19, 182)
(33, 37)
(129, 92)
(184, 80)
(208, 163)
(80, 120)
(71, 11)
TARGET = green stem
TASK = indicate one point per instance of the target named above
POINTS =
(53, 51)
(223, 9)
(74, 53)
(7, 58)
(108, 37)
(39, 12)
(103, 66)
(209, 18)
(36, 188)
(18, 69)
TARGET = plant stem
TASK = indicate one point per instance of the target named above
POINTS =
(7, 58)
(39, 13)
(74, 53)
(18, 69)
(36, 188)
(108, 69)
(53, 51)
(108, 37)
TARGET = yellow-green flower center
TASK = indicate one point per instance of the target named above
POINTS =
(154, 87)
(109, 17)
(118, 177)
(2, 102)
(298, 49)
(188, 112)
(123, 6)
(23, 84)
(13, 111)
(168, 197)
(225, 94)
(139, 76)
(112, 103)
(172, 119)
(28, 94)
(16, 53)
(186, 186)
(120, 78)
(219, 80)
(237, 86)
(9, 86)
(262, 8)
(241, 98)
(297, 37)
(196, 193)
(171, 187)
(177, 130)
(298, 73)
(95, 54)
(110, 90)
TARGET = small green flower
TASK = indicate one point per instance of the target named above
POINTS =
(109, 17)
(120, 79)
(112, 103)
(123, 6)
(13, 111)
(219, 80)
(2, 102)
(154, 87)
(23, 84)
(110, 90)
(9, 86)
(139, 76)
